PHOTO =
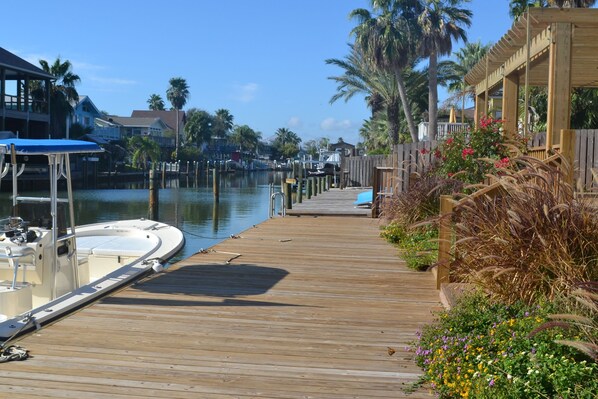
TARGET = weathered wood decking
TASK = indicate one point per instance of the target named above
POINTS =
(306, 308)
(334, 202)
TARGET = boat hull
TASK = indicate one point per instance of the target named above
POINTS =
(110, 256)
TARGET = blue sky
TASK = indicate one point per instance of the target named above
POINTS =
(263, 60)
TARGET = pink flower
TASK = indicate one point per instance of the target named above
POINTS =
(466, 152)
(449, 141)
(437, 154)
(424, 151)
(503, 163)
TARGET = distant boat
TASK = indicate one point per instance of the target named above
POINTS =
(48, 266)
(364, 198)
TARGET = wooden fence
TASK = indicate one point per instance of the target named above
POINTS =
(586, 156)
(359, 170)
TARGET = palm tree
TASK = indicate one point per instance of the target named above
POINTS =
(572, 3)
(198, 128)
(156, 103)
(380, 89)
(286, 143)
(177, 94)
(246, 138)
(386, 40)
(143, 150)
(223, 123)
(519, 7)
(466, 58)
(441, 22)
(62, 93)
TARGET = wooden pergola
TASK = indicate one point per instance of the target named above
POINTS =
(550, 47)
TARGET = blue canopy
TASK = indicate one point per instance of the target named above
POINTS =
(48, 146)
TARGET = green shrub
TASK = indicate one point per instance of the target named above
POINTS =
(419, 245)
(483, 349)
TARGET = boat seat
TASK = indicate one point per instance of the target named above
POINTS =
(114, 246)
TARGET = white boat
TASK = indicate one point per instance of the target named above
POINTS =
(49, 267)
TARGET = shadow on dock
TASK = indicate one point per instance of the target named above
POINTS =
(212, 281)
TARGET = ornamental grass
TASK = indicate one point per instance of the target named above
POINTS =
(532, 239)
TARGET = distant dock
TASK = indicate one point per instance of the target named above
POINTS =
(296, 307)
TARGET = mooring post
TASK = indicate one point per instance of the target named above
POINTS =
(216, 184)
(153, 196)
(300, 183)
(288, 195)
(308, 187)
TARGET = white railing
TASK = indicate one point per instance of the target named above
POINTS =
(443, 129)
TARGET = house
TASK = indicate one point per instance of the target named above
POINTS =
(85, 113)
(346, 149)
(169, 118)
(24, 97)
(128, 127)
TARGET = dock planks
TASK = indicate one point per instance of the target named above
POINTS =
(334, 202)
(294, 308)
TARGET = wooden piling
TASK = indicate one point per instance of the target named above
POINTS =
(308, 187)
(300, 184)
(154, 202)
(288, 195)
(216, 184)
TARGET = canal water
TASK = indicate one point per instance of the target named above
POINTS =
(185, 203)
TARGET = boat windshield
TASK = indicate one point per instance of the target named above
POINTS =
(37, 214)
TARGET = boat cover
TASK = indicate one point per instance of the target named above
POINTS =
(48, 146)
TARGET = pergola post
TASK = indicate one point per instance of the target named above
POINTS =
(510, 88)
(559, 82)
(481, 108)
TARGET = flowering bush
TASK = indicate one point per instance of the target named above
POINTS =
(483, 349)
(470, 155)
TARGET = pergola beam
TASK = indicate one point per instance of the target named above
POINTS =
(539, 45)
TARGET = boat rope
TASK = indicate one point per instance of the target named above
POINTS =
(207, 251)
(13, 352)
(210, 238)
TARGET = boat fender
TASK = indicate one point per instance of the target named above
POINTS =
(157, 267)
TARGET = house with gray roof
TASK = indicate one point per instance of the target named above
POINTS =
(155, 128)
(24, 97)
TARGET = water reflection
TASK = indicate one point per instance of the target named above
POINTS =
(185, 203)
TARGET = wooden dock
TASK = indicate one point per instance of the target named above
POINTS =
(335, 202)
(308, 307)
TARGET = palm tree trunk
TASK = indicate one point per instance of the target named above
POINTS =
(433, 97)
(176, 138)
(392, 114)
(406, 106)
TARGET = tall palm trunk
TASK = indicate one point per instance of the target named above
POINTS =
(392, 114)
(406, 106)
(176, 138)
(433, 96)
